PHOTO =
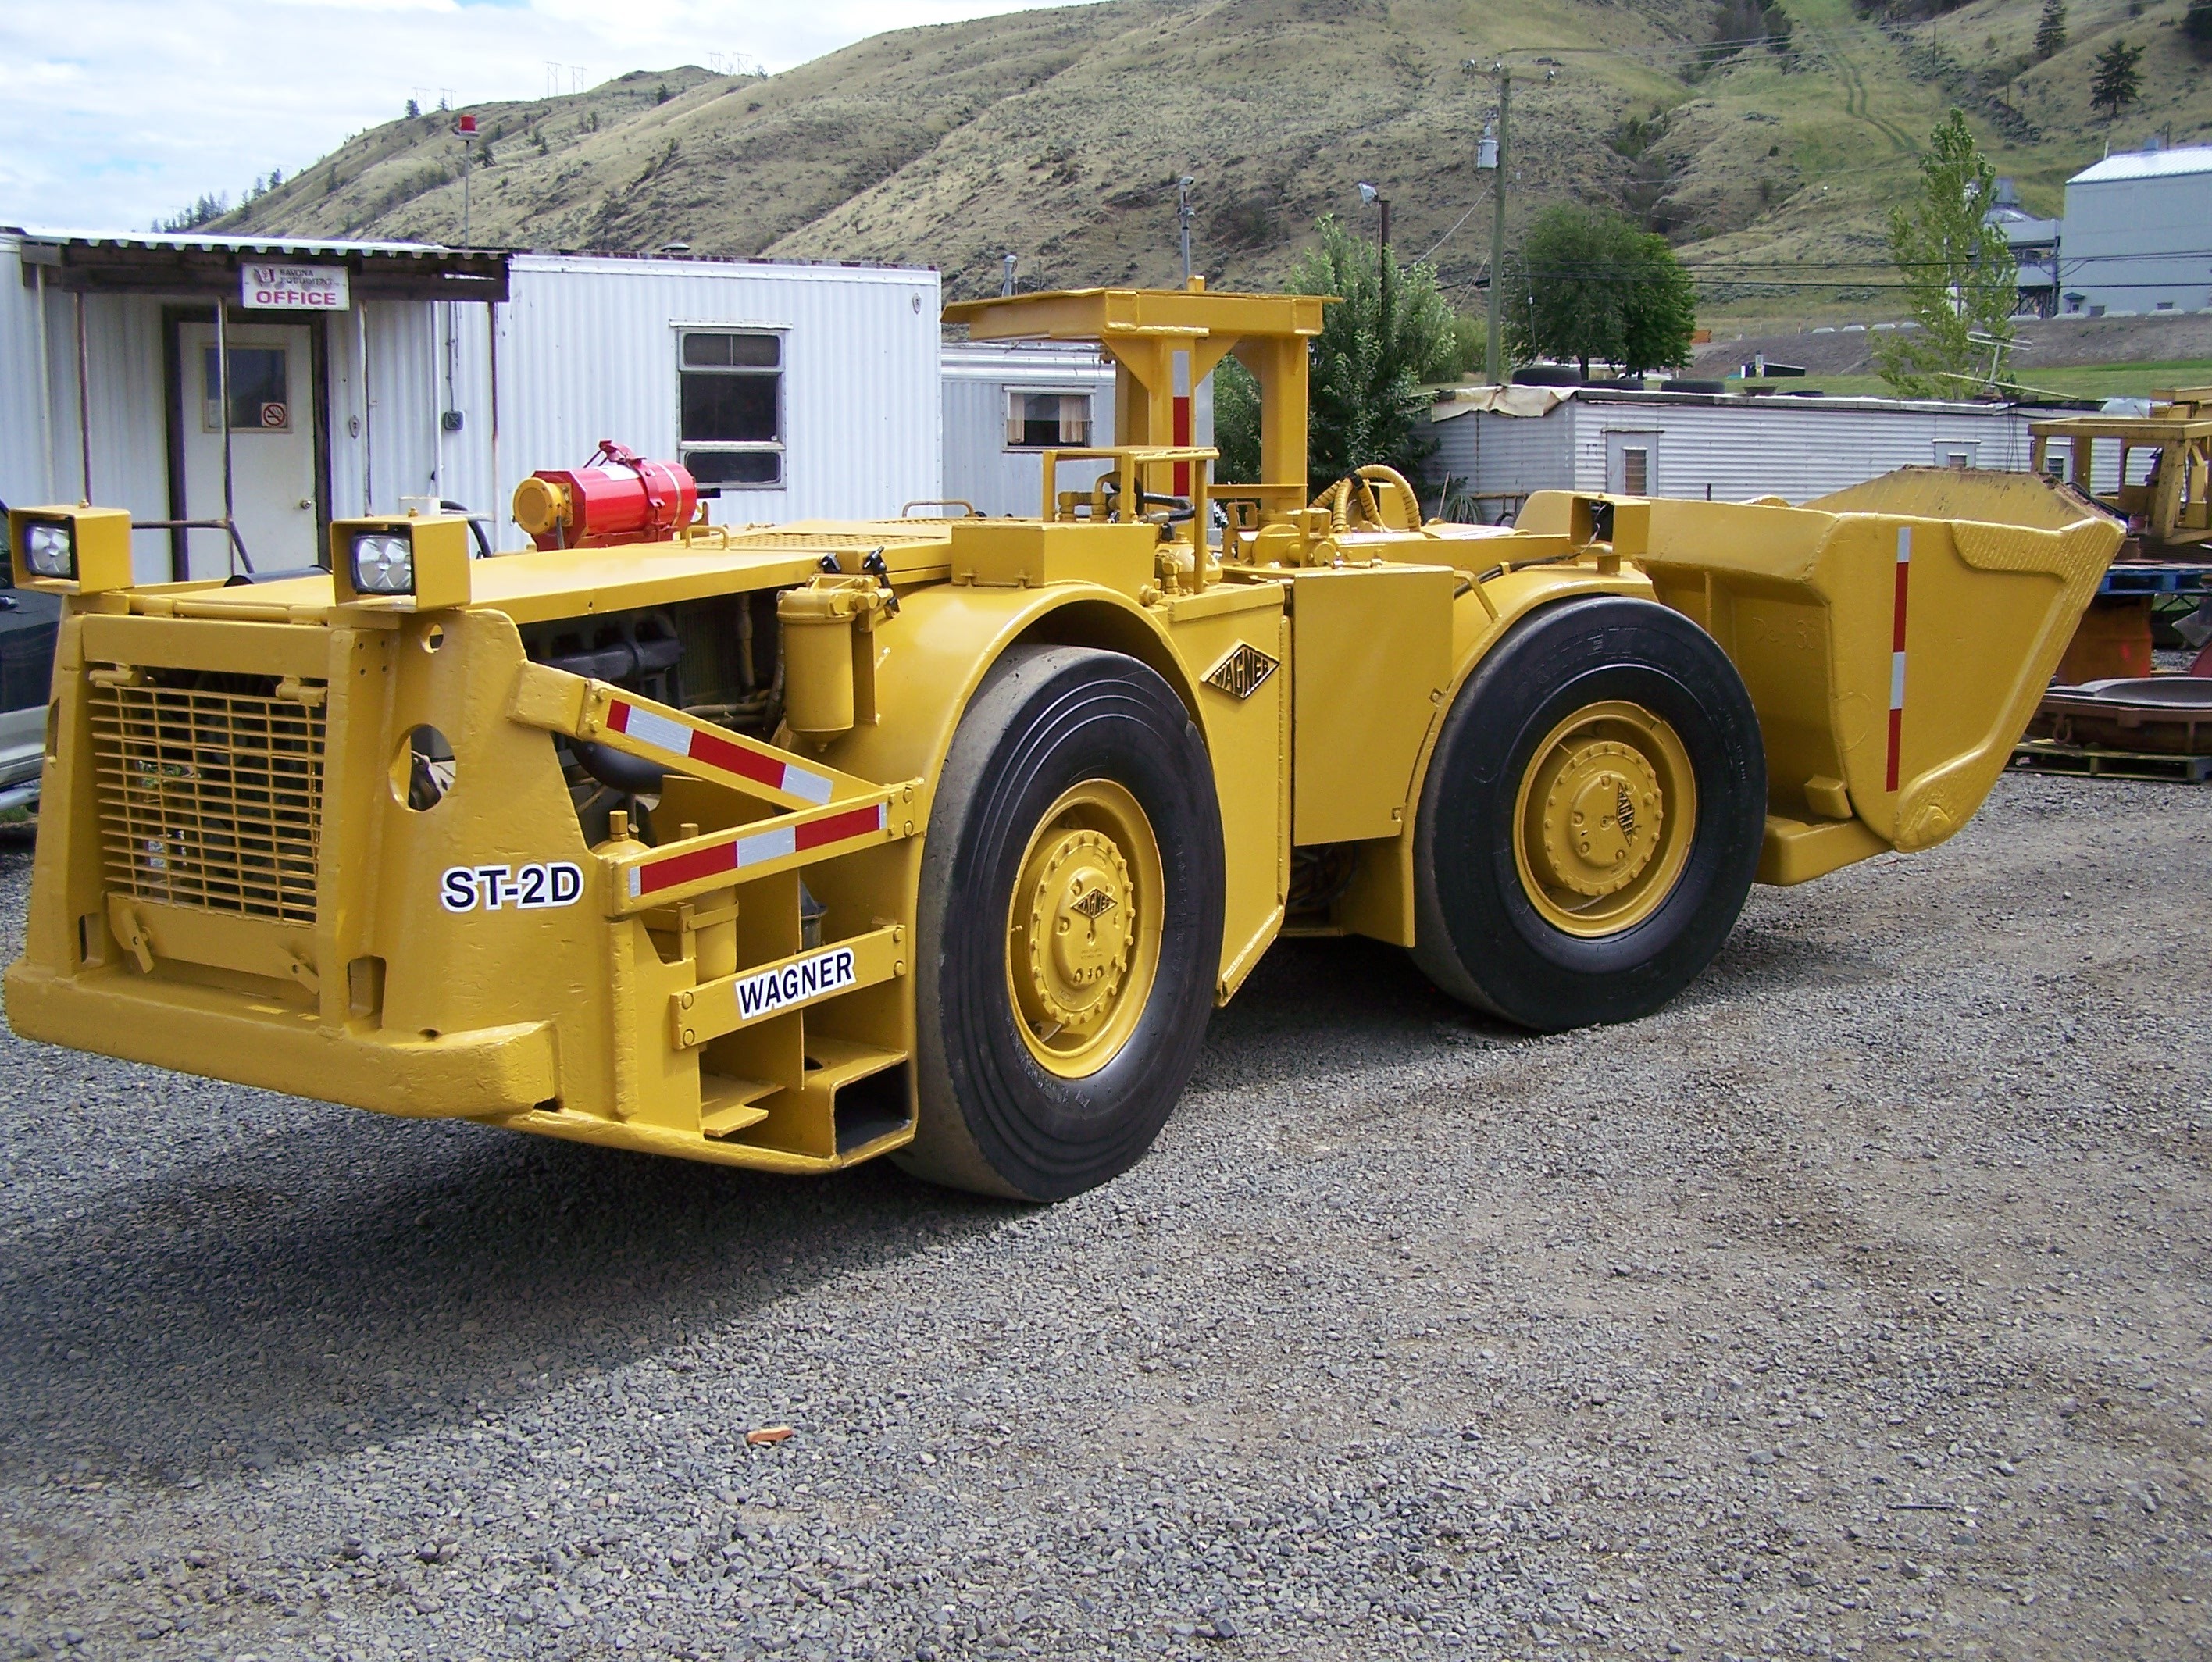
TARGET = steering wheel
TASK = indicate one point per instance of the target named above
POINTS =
(1375, 497)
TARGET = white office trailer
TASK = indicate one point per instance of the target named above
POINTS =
(361, 377)
(1726, 447)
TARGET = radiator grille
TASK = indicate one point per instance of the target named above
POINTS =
(210, 798)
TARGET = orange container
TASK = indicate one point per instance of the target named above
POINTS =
(2112, 641)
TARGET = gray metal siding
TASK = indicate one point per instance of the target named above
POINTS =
(26, 426)
(1793, 448)
(2134, 245)
(979, 467)
(125, 396)
(1488, 452)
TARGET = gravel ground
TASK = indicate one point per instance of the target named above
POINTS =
(1855, 1305)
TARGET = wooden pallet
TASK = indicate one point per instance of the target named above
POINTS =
(2167, 578)
(2043, 755)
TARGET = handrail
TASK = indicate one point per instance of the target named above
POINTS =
(1128, 459)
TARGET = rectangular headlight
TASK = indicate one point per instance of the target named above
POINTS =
(50, 549)
(384, 562)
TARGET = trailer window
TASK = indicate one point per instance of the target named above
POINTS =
(259, 388)
(1636, 471)
(731, 423)
(1045, 421)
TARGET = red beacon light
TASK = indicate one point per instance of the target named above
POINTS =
(617, 496)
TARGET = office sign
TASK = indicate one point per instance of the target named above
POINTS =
(292, 287)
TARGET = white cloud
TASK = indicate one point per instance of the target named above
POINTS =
(117, 112)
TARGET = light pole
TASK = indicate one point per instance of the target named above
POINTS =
(1369, 194)
(1184, 213)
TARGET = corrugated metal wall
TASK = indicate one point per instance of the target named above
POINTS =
(2137, 245)
(1790, 447)
(1484, 452)
(26, 428)
(979, 468)
(41, 450)
(587, 351)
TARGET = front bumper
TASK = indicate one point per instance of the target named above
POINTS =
(265, 1043)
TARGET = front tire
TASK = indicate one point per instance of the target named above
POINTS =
(1592, 818)
(1068, 929)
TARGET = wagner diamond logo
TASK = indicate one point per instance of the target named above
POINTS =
(1094, 905)
(1243, 671)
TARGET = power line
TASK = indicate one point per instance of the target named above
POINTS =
(1456, 224)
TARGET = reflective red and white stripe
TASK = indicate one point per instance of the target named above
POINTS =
(652, 876)
(689, 744)
(1896, 652)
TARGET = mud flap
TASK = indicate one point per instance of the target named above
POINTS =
(1895, 638)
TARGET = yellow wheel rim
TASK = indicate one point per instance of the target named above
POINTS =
(1083, 929)
(1606, 812)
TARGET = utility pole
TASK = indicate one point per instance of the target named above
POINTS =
(1493, 362)
(1383, 255)
(1184, 213)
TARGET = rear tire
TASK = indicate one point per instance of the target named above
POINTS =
(1592, 818)
(1068, 932)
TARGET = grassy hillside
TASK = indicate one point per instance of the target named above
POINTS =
(1060, 135)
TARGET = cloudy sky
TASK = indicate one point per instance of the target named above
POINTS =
(119, 111)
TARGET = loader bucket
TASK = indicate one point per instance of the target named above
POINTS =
(1895, 638)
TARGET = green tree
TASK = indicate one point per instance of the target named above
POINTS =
(1365, 398)
(1662, 308)
(2118, 80)
(1957, 271)
(2197, 28)
(414, 110)
(1588, 285)
(2050, 29)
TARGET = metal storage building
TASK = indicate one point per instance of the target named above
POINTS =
(1725, 446)
(2137, 234)
(363, 374)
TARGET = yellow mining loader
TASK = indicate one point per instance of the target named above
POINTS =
(2167, 502)
(940, 838)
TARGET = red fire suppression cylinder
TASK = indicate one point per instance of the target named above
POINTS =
(617, 496)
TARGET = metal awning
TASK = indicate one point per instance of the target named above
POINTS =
(190, 263)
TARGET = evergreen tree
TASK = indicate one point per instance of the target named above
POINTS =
(2050, 29)
(414, 110)
(1957, 269)
(2118, 80)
